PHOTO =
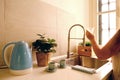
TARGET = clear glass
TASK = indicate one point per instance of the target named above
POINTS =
(112, 32)
(104, 7)
(91, 29)
(104, 1)
(105, 21)
(112, 6)
(105, 36)
(112, 0)
(113, 20)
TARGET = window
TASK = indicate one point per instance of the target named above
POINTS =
(106, 12)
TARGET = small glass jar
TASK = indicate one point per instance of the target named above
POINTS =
(62, 63)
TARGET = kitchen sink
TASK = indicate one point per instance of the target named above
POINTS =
(92, 62)
(84, 61)
(87, 62)
(88, 65)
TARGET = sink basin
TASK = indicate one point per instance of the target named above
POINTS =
(92, 62)
(87, 62)
(84, 61)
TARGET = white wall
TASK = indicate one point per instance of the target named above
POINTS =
(23, 19)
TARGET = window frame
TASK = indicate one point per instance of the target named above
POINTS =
(99, 20)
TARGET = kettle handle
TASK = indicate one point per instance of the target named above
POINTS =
(4, 55)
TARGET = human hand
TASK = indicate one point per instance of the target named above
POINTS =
(89, 35)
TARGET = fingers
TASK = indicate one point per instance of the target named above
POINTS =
(88, 32)
(89, 35)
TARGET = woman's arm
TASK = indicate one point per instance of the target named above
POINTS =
(110, 49)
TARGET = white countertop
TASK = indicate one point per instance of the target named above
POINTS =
(67, 73)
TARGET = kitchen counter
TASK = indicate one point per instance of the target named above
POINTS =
(67, 73)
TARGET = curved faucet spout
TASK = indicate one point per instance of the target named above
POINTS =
(83, 38)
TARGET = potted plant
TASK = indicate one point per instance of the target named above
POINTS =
(44, 47)
(87, 43)
(85, 50)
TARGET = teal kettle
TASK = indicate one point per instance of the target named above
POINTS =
(20, 62)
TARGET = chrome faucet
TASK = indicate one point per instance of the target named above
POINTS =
(83, 38)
